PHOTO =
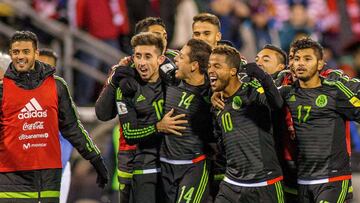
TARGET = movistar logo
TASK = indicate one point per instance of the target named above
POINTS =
(140, 98)
(32, 110)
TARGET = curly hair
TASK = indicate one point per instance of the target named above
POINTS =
(308, 43)
(233, 58)
(25, 36)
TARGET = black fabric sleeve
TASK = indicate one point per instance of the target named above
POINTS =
(105, 106)
(347, 102)
(70, 125)
(272, 93)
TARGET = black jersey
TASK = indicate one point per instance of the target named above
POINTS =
(246, 133)
(138, 115)
(194, 102)
(319, 116)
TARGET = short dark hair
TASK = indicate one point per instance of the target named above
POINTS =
(24, 36)
(280, 54)
(147, 38)
(308, 43)
(232, 55)
(48, 52)
(199, 51)
(207, 17)
(144, 24)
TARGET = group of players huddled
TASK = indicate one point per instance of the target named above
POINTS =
(203, 125)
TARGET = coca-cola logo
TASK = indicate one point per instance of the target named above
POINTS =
(38, 125)
(32, 114)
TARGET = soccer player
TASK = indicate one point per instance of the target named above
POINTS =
(271, 59)
(35, 106)
(140, 107)
(252, 169)
(105, 106)
(319, 109)
(206, 27)
(185, 171)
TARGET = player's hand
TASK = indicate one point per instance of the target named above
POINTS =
(253, 70)
(101, 170)
(126, 61)
(217, 100)
(118, 72)
(171, 124)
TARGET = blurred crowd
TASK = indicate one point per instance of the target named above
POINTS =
(249, 24)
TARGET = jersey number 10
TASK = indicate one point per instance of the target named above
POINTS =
(226, 122)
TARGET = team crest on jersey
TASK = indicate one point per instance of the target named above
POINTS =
(321, 101)
(236, 102)
(121, 107)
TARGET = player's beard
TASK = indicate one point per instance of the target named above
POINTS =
(311, 73)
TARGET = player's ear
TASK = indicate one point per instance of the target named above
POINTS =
(194, 66)
(321, 64)
(233, 71)
(161, 59)
(281, 67)
(218, 36)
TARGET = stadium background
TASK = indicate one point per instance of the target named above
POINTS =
(91, 35)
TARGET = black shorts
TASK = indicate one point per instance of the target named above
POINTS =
(185, 183)
(229, 193)
(146, 188)
(324, 193)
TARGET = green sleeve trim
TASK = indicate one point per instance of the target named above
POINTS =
(341, 87)
(171, 52)
(255, 83)
(29, 195)
(90, 144)
(137, 133)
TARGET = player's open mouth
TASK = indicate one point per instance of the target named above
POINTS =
(300, 70)
(21, 63)
(213, 80)
(143, 70)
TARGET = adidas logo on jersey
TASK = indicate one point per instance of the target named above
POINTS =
(32, 110)
(140, 98)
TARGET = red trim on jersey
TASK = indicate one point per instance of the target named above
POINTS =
(275, 180)
(123, 146)
(338, 178)
(348, 137)
(198, 159)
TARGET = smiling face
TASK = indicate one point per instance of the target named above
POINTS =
(183, 63)
(147, 59)
(219, 72)
(267, 60)
(306, 64)
(23, 55)
(207, 32)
